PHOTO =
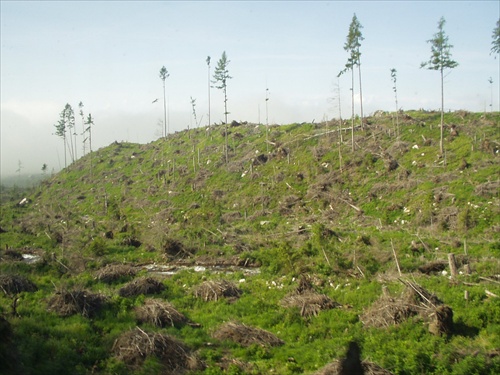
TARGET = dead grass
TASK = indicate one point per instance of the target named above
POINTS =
(214, 290)
(414, 301)
(134, 346)
(114, 272)
(245, 335)
(310, 303)
(160, 313)
(143, 285)
(307, 299)
(77, 301)
(15, 284)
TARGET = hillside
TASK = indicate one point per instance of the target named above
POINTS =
(296, 209)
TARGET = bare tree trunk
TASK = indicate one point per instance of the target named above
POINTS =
(453, 265)
(352, 108)
(208, 95)
(360, 93)
(164, 111)
(441, 146)
(225, 123)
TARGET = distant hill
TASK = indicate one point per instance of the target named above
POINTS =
(308, 240)
(280, 186)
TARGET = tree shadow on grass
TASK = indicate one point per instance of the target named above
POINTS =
(462, 329)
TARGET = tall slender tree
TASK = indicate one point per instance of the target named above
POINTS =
(352, 44)
(82, 116)
(495, 43)
(395, 89)
(164, 75)
(208, 65)
(70, 125)
(490, 81)
(221, 76)
(350, 66)
(440, 60)
(267, 120)
(61, 132)
(90, 124)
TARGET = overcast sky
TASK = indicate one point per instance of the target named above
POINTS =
(108, 55)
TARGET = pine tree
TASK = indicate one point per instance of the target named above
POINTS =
(164, 75)
(495, 44)
(61, 132)
(354, 37)
(221, 75)
(395, 89)
(440, 60)
(208, 65)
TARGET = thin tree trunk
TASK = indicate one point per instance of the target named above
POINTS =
(90, 149)
(352, 108)
(441, 145)
(209, 95)
(65, 146)
(225, 121)
(164, 111)
(453, 265)
(397, 116)
(360, 93)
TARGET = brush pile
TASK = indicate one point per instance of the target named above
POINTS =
(115, 272)
(308, 300)
(414, 301)
(134, 346)
(78, 301)
(15, 284)
(245, 335)
(310, 303)
(159, 313)
(214, 290)
(143, 285)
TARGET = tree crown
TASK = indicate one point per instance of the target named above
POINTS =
(221, 74)
(352, 44)
(164, 73)
(495, 44)
(440, 51)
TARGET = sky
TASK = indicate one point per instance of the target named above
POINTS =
(108, 54)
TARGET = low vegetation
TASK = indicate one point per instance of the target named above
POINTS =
(290, 254)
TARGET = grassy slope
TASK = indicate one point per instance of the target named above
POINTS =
(290, 205)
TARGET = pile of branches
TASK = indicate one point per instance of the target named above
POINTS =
(143, 285)
(134, 346)
(160, 313)
(11, 254)
(115, 272)
(15, 284)
(214, 290)
(414, 301)
(246, 336)
(310, 303)
(433, 267)
(308, 300)
(78, 301)
(173, 248)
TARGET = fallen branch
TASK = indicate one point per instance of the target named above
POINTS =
(488, 279)
(395, 257)
(353, 206)
(490, 294)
